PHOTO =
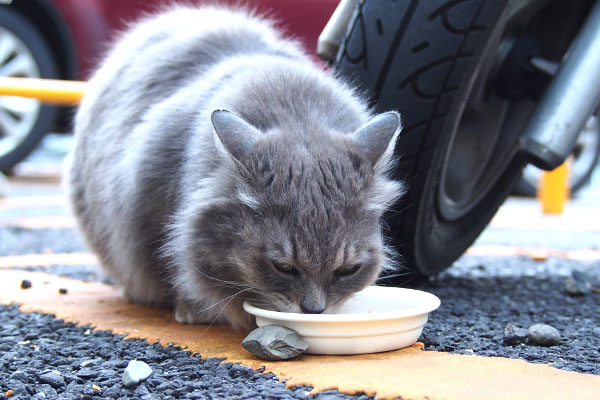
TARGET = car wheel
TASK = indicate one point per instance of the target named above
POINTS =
(23, 121)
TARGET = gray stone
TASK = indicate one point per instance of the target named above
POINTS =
(53, 379)
(543, 335)
(90, 362)
(274, 342)
(19, 376)
(87, 373)
(135, 372)
(111, 393)
(44, 392)
(579, 283)
(514, 335)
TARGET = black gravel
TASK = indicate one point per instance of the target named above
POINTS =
(17, 240)
(480, 300)
(87, 273)
(44, 358)
(41, 357)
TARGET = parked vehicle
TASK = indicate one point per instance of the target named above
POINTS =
(484, 87)
(65, 39)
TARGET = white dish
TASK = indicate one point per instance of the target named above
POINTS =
(373, 320)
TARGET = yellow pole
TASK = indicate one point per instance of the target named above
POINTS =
(554, 190)
(46, 90)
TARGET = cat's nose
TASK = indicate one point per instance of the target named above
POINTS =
(312, 306)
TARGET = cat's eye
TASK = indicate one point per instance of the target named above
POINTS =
(285, 268)
(347, 269)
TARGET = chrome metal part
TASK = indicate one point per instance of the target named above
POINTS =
(333, 33)
(573, 95)
(545, 66)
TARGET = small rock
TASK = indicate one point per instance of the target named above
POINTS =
(25, 284)
(135, 372)
(44, 392)
(87, 373)
(19, 376)
(514, 335)
(274, 342)
(53, 379)
(543, 335)
(240, 371)
(62, 290)
(112, 393)
(579, 283)
(90, 362)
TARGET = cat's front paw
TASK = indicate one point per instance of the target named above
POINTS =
(185, 315)
(234, 316)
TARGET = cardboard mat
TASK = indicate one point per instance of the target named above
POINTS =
(409, 373)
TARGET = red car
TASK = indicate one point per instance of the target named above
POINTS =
(64, 39)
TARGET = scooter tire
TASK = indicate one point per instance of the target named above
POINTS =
(416, 57)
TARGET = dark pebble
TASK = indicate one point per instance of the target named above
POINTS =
(53, 379)
(63, 291)
(238, 371)
(514, 335)
(578, 284)
(45, 392)
(19, 376)
(543, 335)
(87, 373)
(25, 284)
(112, 393)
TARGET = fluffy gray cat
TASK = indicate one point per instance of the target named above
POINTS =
(214, 162)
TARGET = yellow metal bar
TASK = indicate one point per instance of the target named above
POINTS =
(554, 190)
(46, 90)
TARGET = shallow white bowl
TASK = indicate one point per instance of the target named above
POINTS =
(373, 320)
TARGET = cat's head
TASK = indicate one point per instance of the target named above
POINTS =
(306, 220)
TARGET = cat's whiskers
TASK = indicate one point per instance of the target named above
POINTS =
(229, 300)
(244, 286)
(224, 283)
(407, 275)
(230, 297)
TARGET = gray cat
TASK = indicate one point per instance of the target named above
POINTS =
(214, 162)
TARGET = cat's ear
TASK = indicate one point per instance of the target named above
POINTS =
(378, 135)
(236, 135)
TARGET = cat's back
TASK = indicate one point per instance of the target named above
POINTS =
(125, 168)
(163, 52)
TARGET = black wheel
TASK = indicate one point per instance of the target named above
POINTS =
(584, 161)
(23, 122)
(443, 65)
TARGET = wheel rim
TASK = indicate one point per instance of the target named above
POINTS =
(18, 115)
(486, 128)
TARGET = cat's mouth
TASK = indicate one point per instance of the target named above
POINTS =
(280, 303)
(291, 307)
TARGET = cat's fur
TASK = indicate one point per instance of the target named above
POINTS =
(198, 209)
